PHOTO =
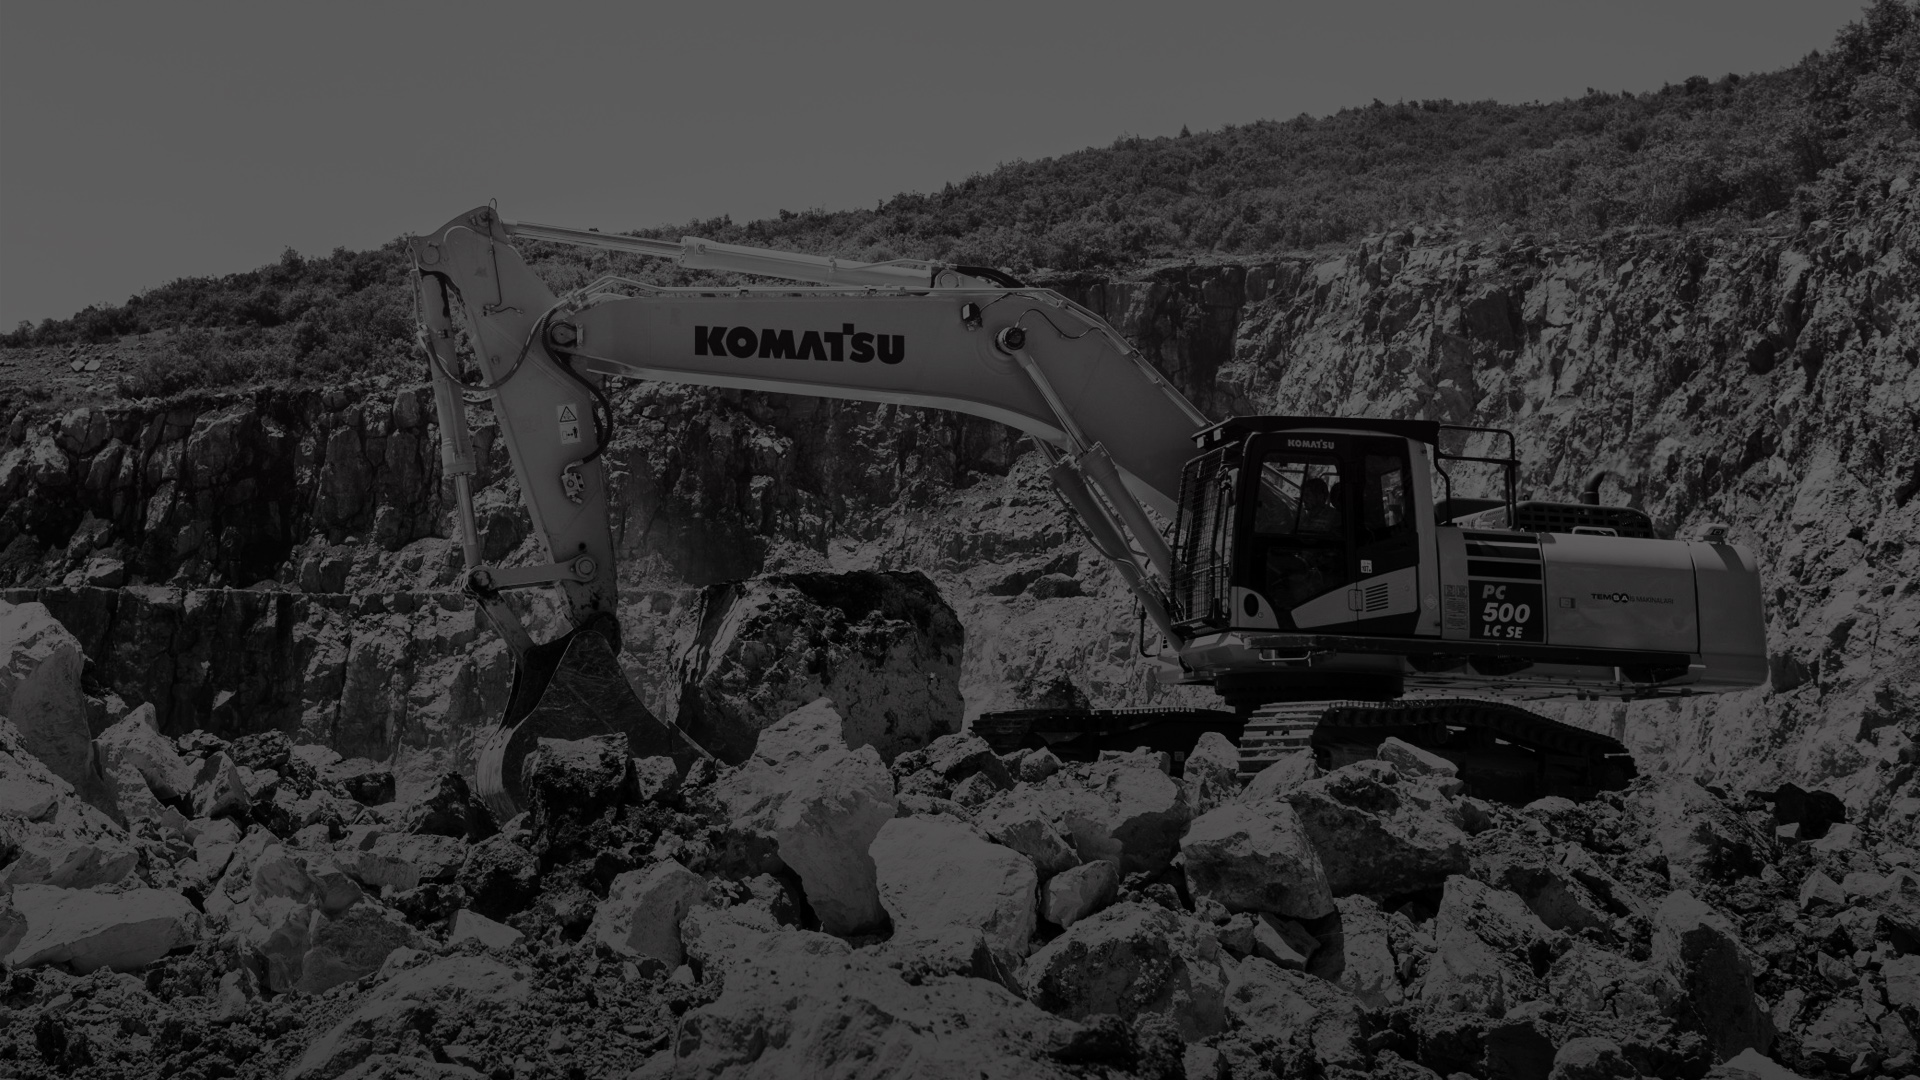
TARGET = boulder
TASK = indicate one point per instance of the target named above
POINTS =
(1902, 978)
(1556, 881)
(451, 809)
(351, 944)
(1591, 1058)
(821, 805)
(1295, 1009)
(40, 693)
(470, 925)
(1038, 765)
(71, 845)
(366, 782)
(499, 877)
(1411, 760)
(1488, 943)
(1282, 942)
(1819, 891)
(1256, 858)
(1128, 811)
(1705, 840)
(28, 789)
(1129, 960)
(1357, 953)
(136, 741)
(1277, 780)
(934, 873)
(963, 755)
(655, 779)
(922, 955)
(568, 784)
(473, 986)
(799, 1004)
(1076, 893)
(86, 930)
(1212, 772)
(1377, 832)
(401, 861)
(218, 788)
(1700, 948)
(1752, 1065)
(1024, 821)
(641, 915)
(883, 645)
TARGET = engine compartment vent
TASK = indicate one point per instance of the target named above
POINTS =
(1567, 517)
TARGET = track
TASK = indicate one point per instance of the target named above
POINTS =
(1504, 752)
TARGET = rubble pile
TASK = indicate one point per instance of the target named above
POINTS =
(259, 908)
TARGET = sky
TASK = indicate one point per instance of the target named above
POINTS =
(140, 143)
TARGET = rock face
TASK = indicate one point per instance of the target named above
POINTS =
(935, 874)
(1379, 832)
(884, 646)
(1128, 960)
(1256, 858)
(821, 805)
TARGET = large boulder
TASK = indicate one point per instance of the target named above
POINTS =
(1296, 1011)
(1129, 960)
(1488, 945)
(1357, 952)
(568, 784)
(934, 873)
(820, 804)
(642, 912)
(1126, 810)
(136, 741)
(479, 989)
(40, 693)
(799, 1004)
(68, 843)
(1029, 822)
(500, 878)
(85, 930)
(1256, 858)
(883, 645)
(1288, 771)
(1379, 832)
(1077, 893)
(1556, 880)
(1700, 948)
(1211, 773)
(350, 945)
(1705, 840)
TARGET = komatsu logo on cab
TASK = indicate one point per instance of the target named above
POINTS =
(742, 342)
(1311, 444)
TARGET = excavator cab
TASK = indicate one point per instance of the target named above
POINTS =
(1305, 523)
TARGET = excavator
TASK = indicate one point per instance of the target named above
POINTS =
(1334, 580)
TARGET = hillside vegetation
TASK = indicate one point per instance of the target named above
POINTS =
(1691, 155)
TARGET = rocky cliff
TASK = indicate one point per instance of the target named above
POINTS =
(1767, 377)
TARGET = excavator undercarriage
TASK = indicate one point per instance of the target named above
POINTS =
(1504, 753)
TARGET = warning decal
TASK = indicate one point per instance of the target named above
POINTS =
(569, 423)
(566, 413)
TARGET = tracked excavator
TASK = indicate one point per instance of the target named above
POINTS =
(1335, 580)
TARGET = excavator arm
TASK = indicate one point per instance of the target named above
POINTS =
(969, 340)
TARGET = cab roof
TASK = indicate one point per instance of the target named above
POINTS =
(1236, 428)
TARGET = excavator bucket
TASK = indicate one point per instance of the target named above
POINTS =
(569, 688)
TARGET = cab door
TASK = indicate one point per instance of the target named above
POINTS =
(1386, 536)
